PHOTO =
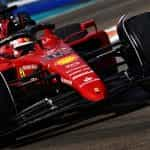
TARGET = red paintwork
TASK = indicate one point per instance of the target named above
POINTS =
(81, 77)
(72, 69)
(4, 28)
(88, 24)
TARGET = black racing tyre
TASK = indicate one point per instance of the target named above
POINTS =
(136, 35)
(7, 105)
(67, 30)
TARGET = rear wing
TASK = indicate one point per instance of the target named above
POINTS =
(88, 24)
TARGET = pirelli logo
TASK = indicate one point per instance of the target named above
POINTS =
(66, 60)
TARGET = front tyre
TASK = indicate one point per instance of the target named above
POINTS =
(7, 105)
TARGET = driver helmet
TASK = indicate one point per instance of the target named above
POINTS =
(21, 46)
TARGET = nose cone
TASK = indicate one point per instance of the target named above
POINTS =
(94, 92)
(77, 74)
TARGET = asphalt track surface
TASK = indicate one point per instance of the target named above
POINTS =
(125, 126)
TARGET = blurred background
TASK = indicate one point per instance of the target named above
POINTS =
(41, 9)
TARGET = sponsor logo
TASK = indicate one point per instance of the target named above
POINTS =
(22, 73)
(66, 81)
(73, 66)
(96, 90)
(24, 68)
(29, 67)
(81, 75)
(87, 79)
(66, 60)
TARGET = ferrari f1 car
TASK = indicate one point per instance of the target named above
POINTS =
(45, 71)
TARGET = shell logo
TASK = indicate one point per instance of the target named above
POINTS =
(22, 73)
(66, 60)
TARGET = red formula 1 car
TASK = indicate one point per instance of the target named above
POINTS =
(45, 72)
